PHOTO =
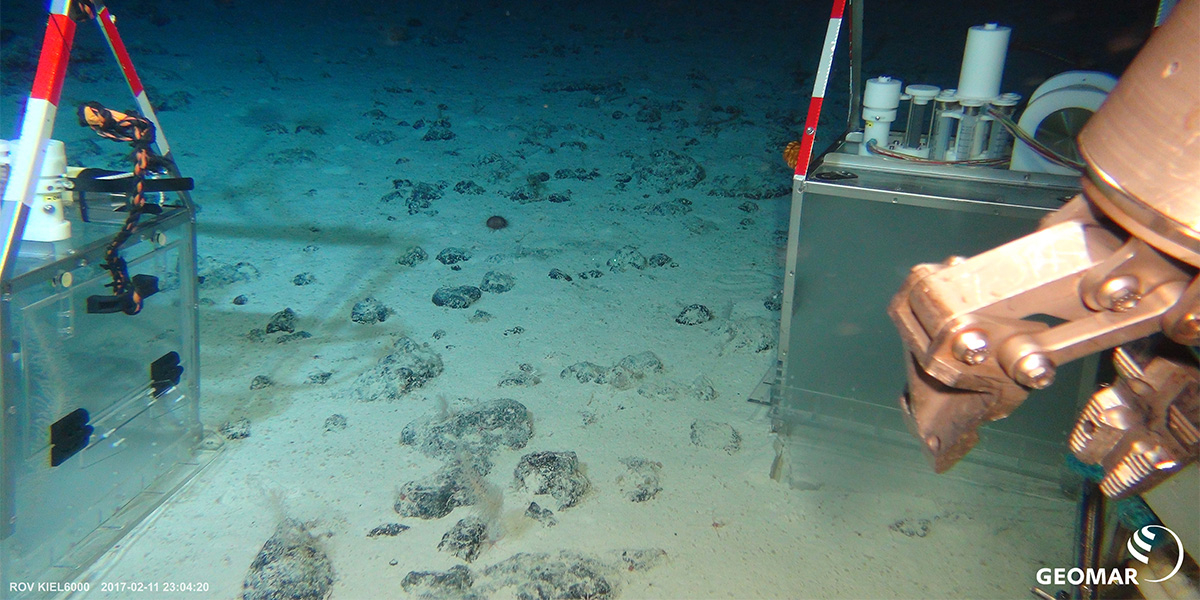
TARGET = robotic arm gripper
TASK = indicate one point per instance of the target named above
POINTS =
(1116, 267)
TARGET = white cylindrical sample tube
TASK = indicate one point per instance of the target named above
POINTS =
(918, 113)
(965, 143)
(983, 62)
(942, 127)
(880, 100)
(882, 92)
(1000, 140)
(46, 222)
(54, 166)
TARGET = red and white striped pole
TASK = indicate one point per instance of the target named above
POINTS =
(36, 126)
(802, 163)
(42, 108)
(108, 26)
(819, 87)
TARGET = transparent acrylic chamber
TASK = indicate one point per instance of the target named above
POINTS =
(57, 518)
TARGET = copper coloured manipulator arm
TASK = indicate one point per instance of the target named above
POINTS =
(1115, 265)
(974, 351)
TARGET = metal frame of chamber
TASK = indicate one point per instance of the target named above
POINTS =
(858, 223)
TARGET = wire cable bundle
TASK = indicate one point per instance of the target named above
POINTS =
(128, 293)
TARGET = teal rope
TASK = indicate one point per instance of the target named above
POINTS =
(1132, 512)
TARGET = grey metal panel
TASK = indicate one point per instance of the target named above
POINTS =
(851, 244)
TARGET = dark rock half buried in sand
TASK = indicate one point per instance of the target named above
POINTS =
(462, 296)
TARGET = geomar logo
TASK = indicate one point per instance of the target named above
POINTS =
(1140, 543)
(1139, 546)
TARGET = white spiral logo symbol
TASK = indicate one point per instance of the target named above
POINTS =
(1143, 539)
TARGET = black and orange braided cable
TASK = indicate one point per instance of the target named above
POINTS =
(81, 10)
(139, 132)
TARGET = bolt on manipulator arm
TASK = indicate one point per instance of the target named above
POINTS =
(1115, 267)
